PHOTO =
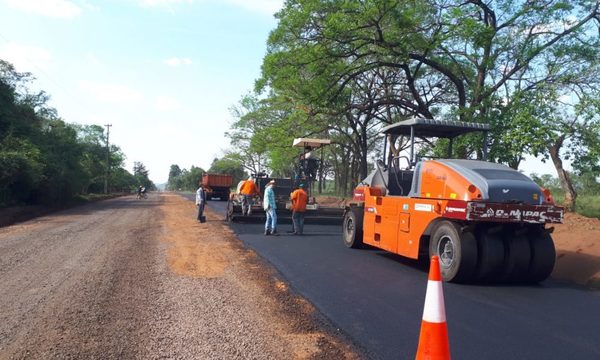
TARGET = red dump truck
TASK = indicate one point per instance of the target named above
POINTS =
(217, 186)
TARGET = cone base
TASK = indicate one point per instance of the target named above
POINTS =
(433, 342)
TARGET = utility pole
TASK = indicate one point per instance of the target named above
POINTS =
(107, 158)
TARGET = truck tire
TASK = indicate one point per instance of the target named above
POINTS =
(457, 252)
(543, 256)
(352, 232)
(518, 255)
(490, 251)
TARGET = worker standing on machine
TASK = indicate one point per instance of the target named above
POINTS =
(299, 200)
(248, 190)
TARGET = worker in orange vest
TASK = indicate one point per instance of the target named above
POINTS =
(299, 200)
(248, 191)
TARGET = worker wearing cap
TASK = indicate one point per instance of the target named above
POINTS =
(299, 199)
(248, 190)
(270, 208)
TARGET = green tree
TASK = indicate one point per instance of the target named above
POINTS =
(229, 164)
(174, 181)
(20, 157)
(466, 60)
(43, 158)
(183, 179)
(245, 134)
(192, 177)
(122, 180)
(141, 175)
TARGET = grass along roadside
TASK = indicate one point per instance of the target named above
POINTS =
(586, 204)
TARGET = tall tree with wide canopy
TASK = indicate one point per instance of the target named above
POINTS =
(141, 175)
(483, 61)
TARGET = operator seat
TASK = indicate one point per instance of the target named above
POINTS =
(400, 182)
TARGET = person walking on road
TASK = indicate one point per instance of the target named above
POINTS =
(299, 199)
(270, 208)
(200, 202)
(248, 190)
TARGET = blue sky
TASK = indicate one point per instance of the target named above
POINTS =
(164, 73)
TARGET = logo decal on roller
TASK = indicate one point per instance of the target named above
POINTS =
(423, 207)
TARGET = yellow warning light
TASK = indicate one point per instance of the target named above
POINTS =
(452, 195)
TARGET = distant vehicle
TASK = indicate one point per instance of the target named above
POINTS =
(485, 221)
(141, 193)
(217, 186)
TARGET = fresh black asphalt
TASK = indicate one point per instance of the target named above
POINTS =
(377, 299)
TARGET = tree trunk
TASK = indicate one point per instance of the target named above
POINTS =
(321, 176)
(563, 176)
(515, 161)
(364, 149)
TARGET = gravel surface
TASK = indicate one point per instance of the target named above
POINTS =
(127, 278)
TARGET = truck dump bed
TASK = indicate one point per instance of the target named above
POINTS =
(217, 180)
(217, 185)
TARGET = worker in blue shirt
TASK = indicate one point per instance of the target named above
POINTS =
(270, 208)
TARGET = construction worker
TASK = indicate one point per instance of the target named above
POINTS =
(299, 199)
(270, 208)
(200, 202)
(248, 190)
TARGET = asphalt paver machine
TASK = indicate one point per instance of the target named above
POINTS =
(305, 173)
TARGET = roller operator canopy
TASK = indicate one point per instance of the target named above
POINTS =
(310, 143)
(425, 128)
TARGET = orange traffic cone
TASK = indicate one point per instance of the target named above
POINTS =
(433, 341)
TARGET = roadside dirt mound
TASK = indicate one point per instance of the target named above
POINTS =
(577, 244)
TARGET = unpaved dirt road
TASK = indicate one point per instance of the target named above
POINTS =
(128, 278)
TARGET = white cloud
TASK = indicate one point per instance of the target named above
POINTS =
(165, 103)
(175, 61)
(110, 93)
(25, 58)
(50, 8)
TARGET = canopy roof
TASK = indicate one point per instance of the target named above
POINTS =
(433, 128)
(311, 143)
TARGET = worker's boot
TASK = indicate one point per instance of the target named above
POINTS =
(267, 232)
